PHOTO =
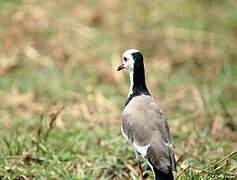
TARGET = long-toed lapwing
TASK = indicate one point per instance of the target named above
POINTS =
(144, 123)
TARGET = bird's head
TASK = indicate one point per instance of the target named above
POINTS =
(131, 58)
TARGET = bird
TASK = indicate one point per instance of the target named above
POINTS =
(144, 124)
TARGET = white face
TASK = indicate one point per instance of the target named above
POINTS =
(128, 61)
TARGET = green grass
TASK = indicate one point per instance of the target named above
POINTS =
(61, 96)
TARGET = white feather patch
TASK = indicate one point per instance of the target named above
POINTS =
(129, 52)
(168, 144)
(142, 150)
(126, 137)
(131, 83)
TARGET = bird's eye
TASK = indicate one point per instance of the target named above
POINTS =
(125, 59)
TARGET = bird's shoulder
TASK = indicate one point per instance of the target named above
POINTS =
(144, 119)
(144, 109)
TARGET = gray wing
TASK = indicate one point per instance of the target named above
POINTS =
(145, 124)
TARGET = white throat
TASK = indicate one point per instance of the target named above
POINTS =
(131, 83)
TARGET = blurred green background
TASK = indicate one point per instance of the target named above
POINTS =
(61, 96)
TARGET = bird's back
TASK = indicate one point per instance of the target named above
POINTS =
(144, 123)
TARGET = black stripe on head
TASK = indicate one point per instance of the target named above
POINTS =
(137, 56)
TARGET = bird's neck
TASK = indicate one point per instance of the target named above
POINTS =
(137, 82)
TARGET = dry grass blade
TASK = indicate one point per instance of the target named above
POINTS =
(190, 167)
(53, 116)
(29, 159)
(8, 68)
(131, 168)
(223, 159)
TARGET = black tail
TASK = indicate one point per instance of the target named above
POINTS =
(163, 176)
